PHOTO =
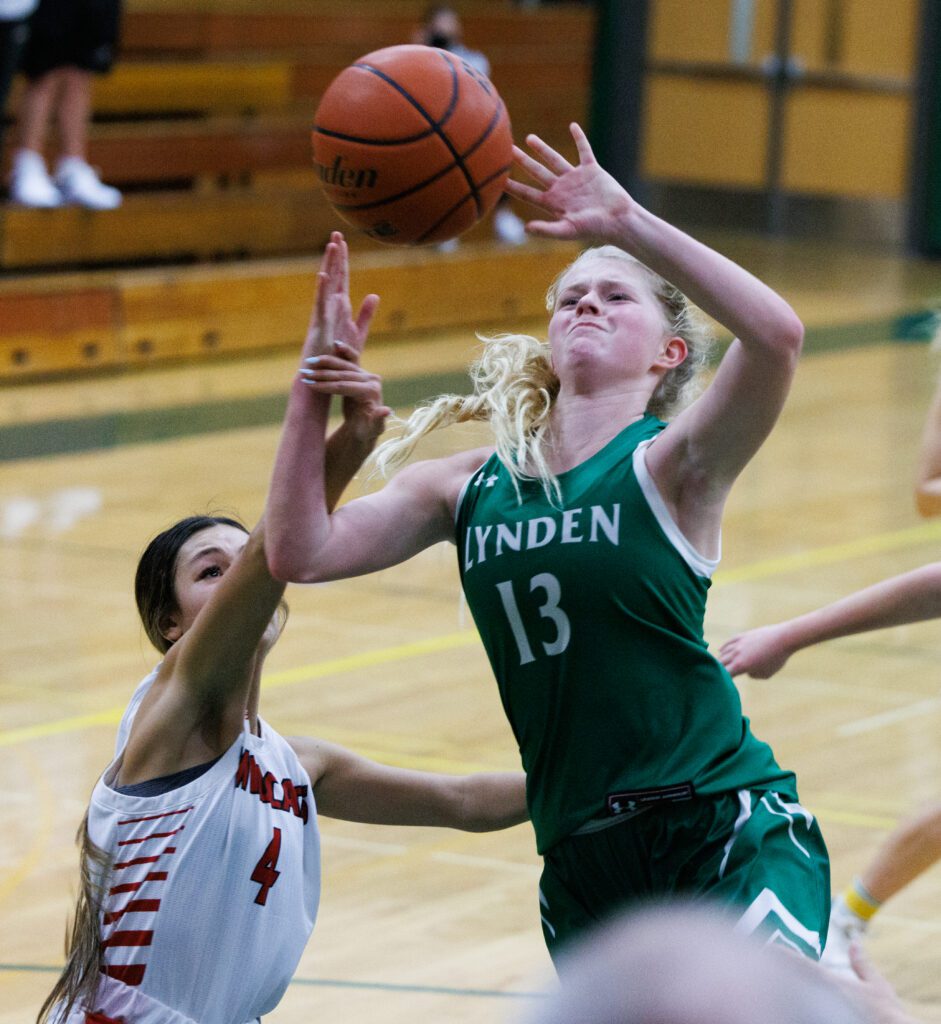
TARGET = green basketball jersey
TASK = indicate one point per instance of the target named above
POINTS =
(592, 617)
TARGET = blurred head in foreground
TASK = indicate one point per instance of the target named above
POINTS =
(684, 964)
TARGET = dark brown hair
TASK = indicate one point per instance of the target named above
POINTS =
(154, 588)
(83, 957)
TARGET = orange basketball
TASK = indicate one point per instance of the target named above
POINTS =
(412, 145)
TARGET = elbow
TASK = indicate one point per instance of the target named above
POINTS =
(285, 567)
(279, 570)
(790, 337)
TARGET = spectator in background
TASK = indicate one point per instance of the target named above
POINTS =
(442, 27)
(14, 29)
(69, 42)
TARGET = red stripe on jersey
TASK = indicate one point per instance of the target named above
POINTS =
(130, 974)
(154, 817)
(128, 939)
(133, 907)
(138, 860)
(116, 890)
(153, 876)
(167, 850)
(153, 835)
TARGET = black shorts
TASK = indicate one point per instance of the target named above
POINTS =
(72, 33)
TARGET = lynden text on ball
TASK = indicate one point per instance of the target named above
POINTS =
(412, 145)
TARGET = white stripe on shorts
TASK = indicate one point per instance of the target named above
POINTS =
(744, 800)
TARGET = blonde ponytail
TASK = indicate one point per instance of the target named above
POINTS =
(514, 388)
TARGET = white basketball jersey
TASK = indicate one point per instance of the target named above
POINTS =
(215, 886)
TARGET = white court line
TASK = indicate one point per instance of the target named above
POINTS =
(466, 860)
(901, 714)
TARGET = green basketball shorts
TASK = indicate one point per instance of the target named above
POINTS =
(756, 852)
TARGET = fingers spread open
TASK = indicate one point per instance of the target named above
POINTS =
(551, 229)
(525, 192)
(533, 167)
(585, 153)
(553, 160)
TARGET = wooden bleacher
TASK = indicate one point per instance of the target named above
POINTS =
(205, 123)
(125, 319)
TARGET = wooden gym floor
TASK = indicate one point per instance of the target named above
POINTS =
(428, 924)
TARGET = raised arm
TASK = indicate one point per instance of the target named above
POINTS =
(306, 543)
(351, 787)
(209, 678)
(911, 597)
(706, 447)
(928, 482)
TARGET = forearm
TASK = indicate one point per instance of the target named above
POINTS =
(296, 515)
(493, 800)
(912, 597)
(928, 482)
(347, 449)
(751, 310)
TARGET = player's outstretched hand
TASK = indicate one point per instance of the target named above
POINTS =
(583, 200)
(339, 373)
(332, 317)
(758, 653)
(876, 992)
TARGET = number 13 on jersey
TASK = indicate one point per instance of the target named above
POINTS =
(550, 610)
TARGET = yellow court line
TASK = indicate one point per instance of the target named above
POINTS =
(852, 818)
(35, 732)
(874, 545)
(369, 659)
(828, 555)
(289, 677)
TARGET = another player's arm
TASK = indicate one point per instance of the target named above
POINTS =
(412, 512)
(928, 481)
(354, 788)
(910, 597)
(196, 706)
(301, 492)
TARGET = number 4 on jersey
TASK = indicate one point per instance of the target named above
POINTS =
(265, 873)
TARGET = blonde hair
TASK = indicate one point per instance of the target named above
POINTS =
(515, 386)
(78, 982)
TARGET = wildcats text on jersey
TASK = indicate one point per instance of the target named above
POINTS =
(571, 526)
(251, 777)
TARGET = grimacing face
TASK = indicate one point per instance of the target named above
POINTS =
(607, 317)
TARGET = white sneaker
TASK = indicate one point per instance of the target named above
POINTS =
(79, 184)
(845, 929)
(30, 184)
(508, 227)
